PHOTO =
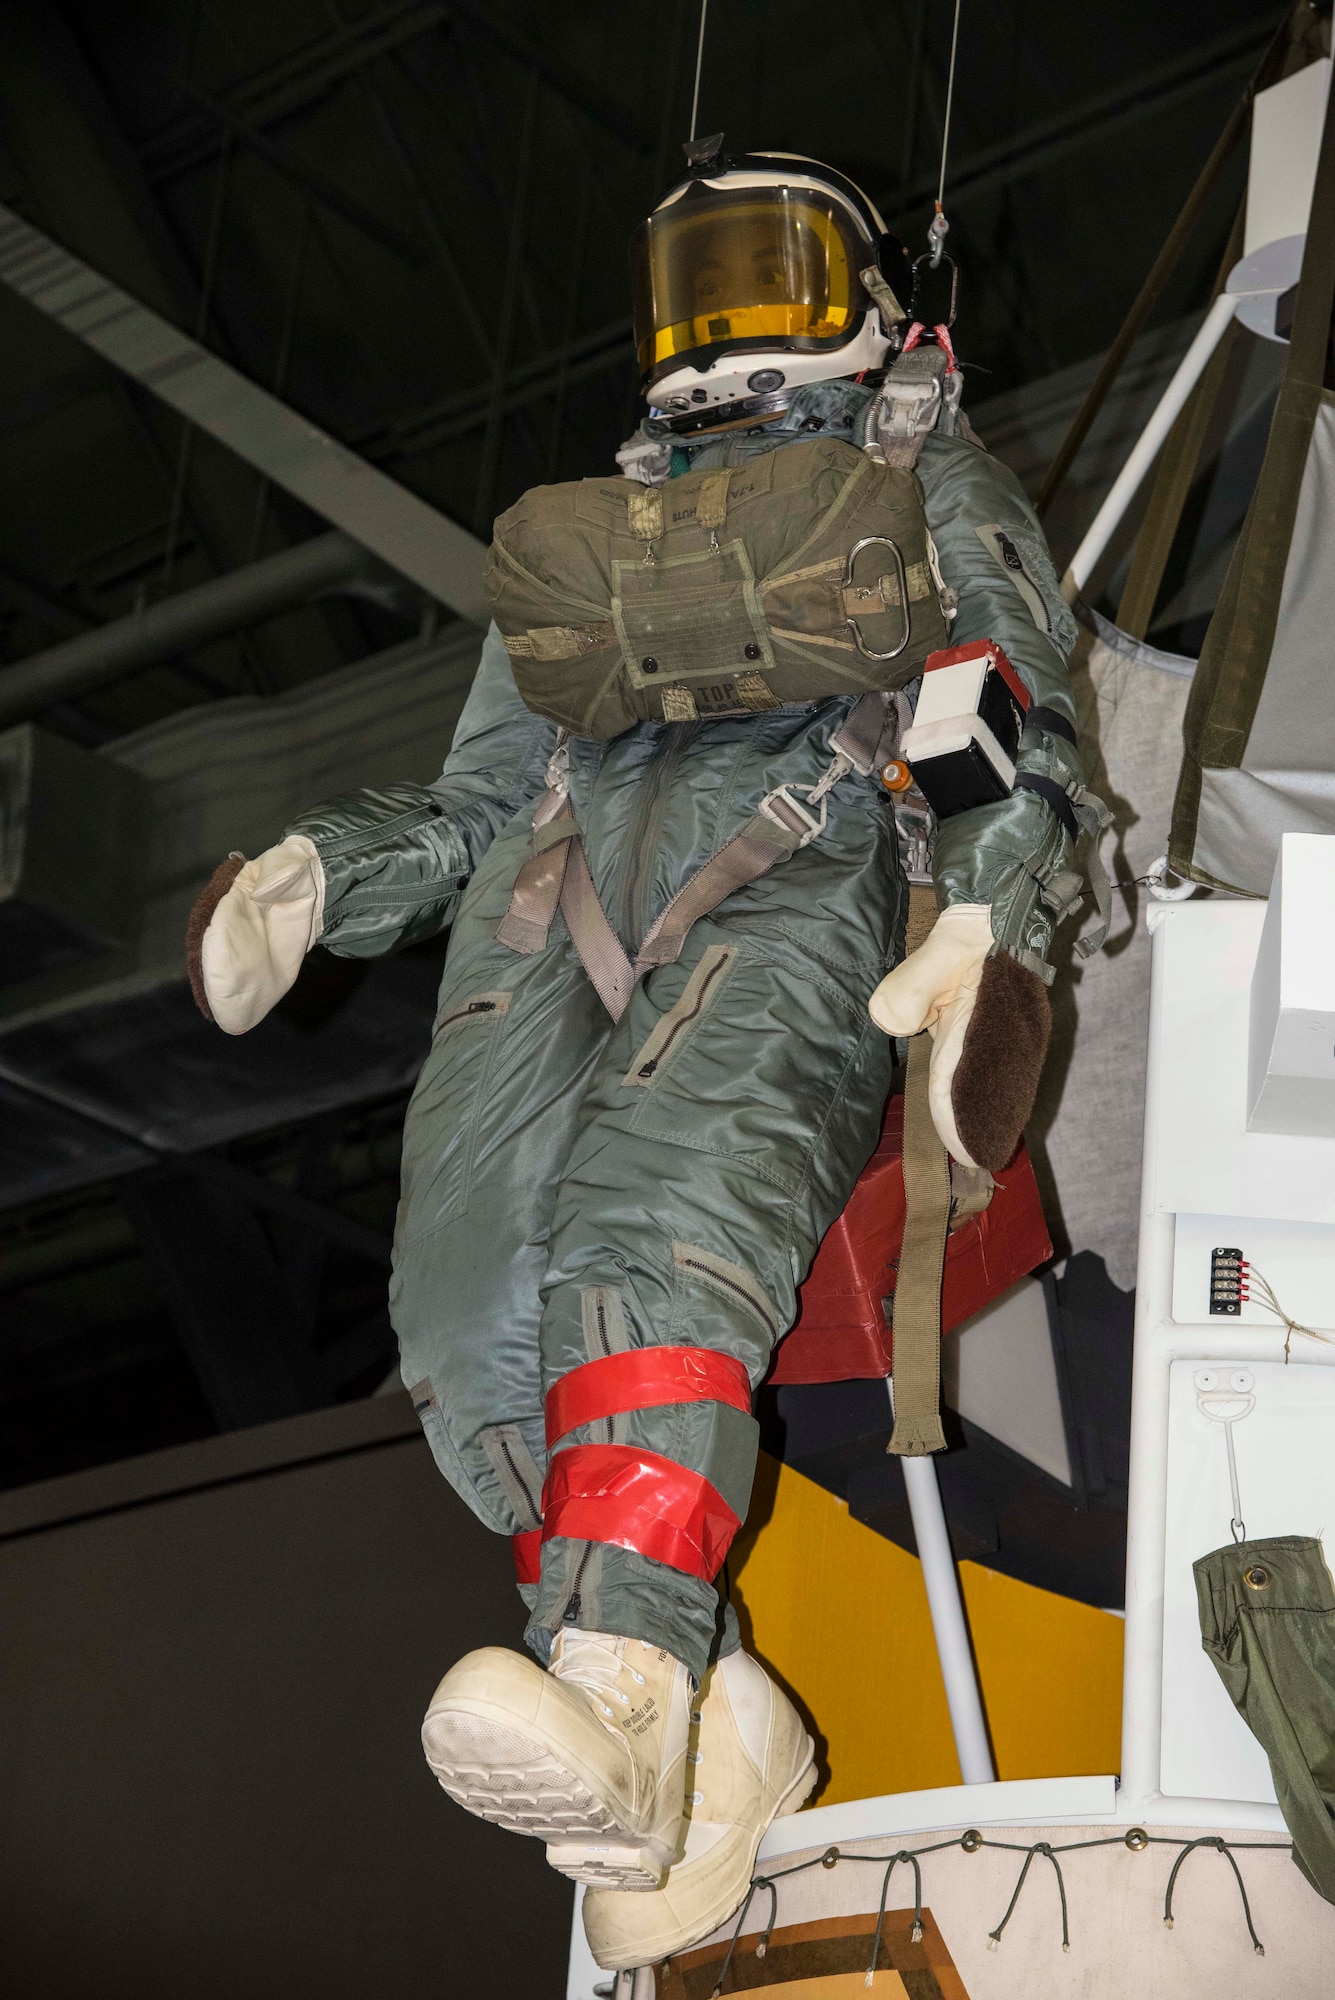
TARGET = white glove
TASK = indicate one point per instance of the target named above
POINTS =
(936, 988)
(251, 929)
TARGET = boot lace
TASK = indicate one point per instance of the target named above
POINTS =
(595, 1663)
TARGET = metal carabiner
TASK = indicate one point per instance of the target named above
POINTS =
(933, 263)
(881, 541)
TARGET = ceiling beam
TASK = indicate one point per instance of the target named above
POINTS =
(405, 531)
(87, 186)
(292, 85)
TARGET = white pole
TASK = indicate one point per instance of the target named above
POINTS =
(1125, 486)
(1147, 1509)
(949, 1629)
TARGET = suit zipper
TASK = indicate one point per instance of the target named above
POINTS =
(730, 1284)
(462, 1013)
(521, 1482)
(679, 1026)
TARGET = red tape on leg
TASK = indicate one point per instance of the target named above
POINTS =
(528, 1555)
(641, 1379)
(633, 1499)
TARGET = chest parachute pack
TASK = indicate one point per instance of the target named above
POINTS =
(805, 572)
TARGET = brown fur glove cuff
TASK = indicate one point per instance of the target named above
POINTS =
(199, 920)
(996, 1077)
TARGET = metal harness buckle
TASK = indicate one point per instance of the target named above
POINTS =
(784, 798)
(783, 801)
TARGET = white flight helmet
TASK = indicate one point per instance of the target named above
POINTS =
(753, 276)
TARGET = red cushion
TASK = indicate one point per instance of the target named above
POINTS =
(842, 1330)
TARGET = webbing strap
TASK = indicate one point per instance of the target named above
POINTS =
(592, 935)
(527, 1549)
(537, 887)
(747, 856)
(1054, 795)
(862, 737)
(917, 1306)
(632, 1499)
(642, 1378)
(557, 872)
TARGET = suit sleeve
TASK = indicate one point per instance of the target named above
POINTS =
(397, 858)
(1016, 855)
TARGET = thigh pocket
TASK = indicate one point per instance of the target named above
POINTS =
(673, 1028)
(449, 1103)
(751, 1079)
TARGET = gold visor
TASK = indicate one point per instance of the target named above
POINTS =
(772, 265)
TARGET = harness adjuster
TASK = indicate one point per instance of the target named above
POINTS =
(783, 806)
(787, 810)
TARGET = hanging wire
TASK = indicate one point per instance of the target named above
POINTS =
(699, 65)
(1237, 1526)
(936, 231)
(1262, 1294)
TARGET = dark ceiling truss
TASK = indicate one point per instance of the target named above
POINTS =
(274, 1290)
(299, 81)
(314, 183)
(83, 177)
(526, 382)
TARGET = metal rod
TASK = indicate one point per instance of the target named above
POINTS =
(951, 1632)
(1125, 487)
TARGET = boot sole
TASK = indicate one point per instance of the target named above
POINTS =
(504, 1776)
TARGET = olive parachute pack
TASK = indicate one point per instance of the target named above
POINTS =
(806, 572)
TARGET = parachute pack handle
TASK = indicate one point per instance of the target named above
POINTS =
(901, 577)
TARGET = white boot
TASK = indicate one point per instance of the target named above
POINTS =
(589, 1756)
(750, 1760)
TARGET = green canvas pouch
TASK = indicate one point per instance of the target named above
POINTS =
(721, 593)
(1267, 1612)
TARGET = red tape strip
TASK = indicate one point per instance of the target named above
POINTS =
(528, 1555)
(633, 1499)
(641, 1379)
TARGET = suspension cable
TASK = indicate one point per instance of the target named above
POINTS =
(936, 232)
(699, 63)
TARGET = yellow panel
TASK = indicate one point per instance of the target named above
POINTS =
(842, 1986)
(839, 1615)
